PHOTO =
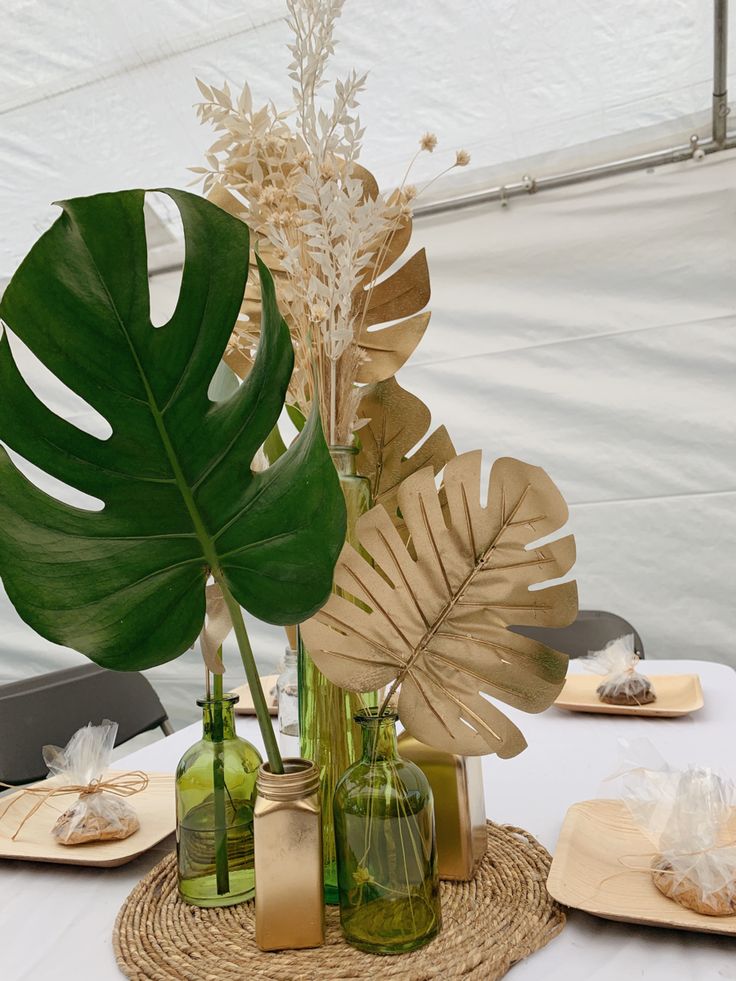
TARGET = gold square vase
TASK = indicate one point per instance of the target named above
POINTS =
(287, 830)
(459, 806)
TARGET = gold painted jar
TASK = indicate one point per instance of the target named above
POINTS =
(287, 828)
(459, 806)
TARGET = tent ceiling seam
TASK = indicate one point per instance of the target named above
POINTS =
(84, 79)
(653, 497)
(565, 340)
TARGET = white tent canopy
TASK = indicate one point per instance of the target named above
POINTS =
(97, 96)
(591, 329)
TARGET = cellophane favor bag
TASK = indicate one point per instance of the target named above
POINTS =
(96, 815)
(690, 817)
(622, 684)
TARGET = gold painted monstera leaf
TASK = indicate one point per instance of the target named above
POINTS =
(400, 297)
(397, 421)
(437, 624)
(398, 300)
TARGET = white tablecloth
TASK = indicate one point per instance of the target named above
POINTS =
(56, 921)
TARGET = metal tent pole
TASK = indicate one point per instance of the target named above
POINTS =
(720, 70)
(528, 185)
(721, 140)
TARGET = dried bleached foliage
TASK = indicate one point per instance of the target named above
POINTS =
(321, 224)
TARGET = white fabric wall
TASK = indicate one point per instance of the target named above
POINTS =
(592, 331)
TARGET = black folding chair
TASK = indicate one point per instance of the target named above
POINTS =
(49, 708)
(591, 631)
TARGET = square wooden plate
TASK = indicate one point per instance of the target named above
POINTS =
(589, 872)
(154, 806)
(677, 694)
(245, 705)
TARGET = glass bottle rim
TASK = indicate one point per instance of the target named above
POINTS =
(369, 716)
(299, 779)
(230, 698)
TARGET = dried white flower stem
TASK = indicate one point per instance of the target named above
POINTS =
(300, 189)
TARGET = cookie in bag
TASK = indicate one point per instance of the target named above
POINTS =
(99, 813)
(96, 817)
(623, 684)
(688, 893)
(689, 816)
(633, 689)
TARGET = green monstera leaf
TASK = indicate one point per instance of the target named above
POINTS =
(125, 585)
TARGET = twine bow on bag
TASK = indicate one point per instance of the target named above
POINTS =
(122, 785)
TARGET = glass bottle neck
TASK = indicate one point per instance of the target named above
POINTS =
(344, 459)
(379, 737)
(218, 720)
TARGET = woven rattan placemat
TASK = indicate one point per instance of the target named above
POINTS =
(489, 924)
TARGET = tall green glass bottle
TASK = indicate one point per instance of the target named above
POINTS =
(328, 733)
(386, 853)
(215, 797)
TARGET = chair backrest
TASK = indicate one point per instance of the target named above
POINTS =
(591, 631)
(49, 708)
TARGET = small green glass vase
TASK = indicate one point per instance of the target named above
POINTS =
(215, 796)
(386, 853)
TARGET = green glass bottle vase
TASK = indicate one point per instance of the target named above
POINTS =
(215, 797)
(328, 734)
(386, 852)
